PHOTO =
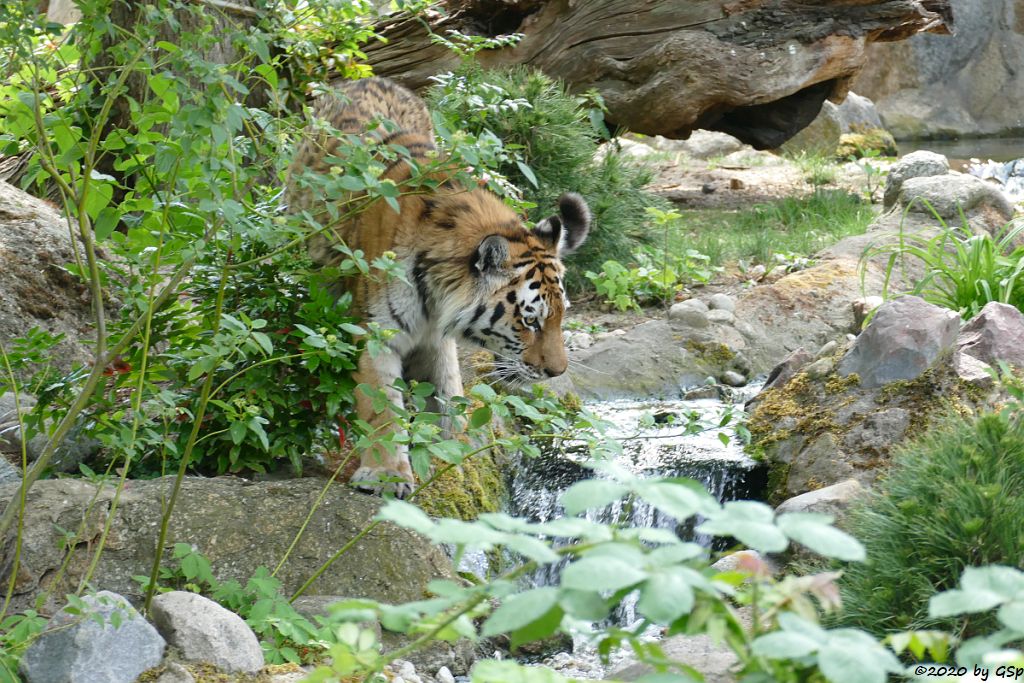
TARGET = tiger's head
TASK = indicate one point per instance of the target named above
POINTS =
(519, 292)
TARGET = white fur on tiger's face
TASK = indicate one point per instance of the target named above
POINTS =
(473, 270)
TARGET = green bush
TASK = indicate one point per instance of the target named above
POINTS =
(551, 137)
(953, 499)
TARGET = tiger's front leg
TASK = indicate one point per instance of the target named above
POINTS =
(380, 469)
(447, 380)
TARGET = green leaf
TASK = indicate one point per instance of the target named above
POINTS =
(956, 601)
(665, 597)
(480, 417)
(106, 222)
(527, 173)
(677, 499)
(237, 431)
(585, 605)
(748, 521)
(852, 656)
(601, 573)
(591, 493)
(531, 548)
(784, 645)
(816, 532)
(406, 515)
(1011, 615)
(264, 341)
(519, 610)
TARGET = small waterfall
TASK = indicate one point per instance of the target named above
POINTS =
(658, 450)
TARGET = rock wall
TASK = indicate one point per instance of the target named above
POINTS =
(964, 85)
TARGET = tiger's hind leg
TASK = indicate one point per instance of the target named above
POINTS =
(384, 466)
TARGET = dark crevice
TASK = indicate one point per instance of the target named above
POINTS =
(495, 18)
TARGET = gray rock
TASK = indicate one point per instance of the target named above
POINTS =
(720, 316)
(73, 451)
(996, 333)
(914, 165)
(878, 432)
(857, 112)
(236, 524)
(950, 194)
(695, 304)
(203, 631)
(10, 426)
(831, 500)
(903, 340)
(76, 649)
(704, 144)
(443, 675)
(820, 368)
(733, 379)
(973, 371)
(9, 473)
(688, 315)
(578, 340)
(741, 560)
(175, 673)
(722, 302)
(820, 137)
(827, 349)
(784, 371)
(820, 461)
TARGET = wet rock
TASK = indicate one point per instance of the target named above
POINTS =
(203, 631)
(733, 379)
(722, 302)
(996, 333)
(948, 195)
(75, 648)
(914, 165)
(830, 500)
(236, 524)
(903, 340)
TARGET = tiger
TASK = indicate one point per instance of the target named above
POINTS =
(473, 269)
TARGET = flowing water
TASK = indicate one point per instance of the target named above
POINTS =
(661, 450)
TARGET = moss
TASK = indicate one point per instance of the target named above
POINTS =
(838, 385)
(778, 477)
(465, 492)
(715, 353)
(865, 141)
(571, 402)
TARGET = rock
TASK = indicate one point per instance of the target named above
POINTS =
(820, 137)
(721, 316)
(691, 316)
(72, 452)
(857, 113)
(175, 673)
(722, 302)
(749, 561)
(76, 649)
(10, 427)
(903, 340)
(866, 143)
(407, 671)
(877, 432)
(9, 473)
(820, 368)
(965, 85)
(238, 525)
(578, 340)
(443, 675)
(948, 195)
(203, 631)
(705, 144)
(827, 349)
(790, 365)
(733, 379)
(830, 500)
(919, 164)
(996, 333)
(35, 289)
(973, 371)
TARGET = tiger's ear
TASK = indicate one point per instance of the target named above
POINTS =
(569, 229)
(492, 255)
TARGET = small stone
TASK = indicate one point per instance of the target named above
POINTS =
(688, 315)
(722, 302)
(827, 349)
(736, 184)
(914, 165)
(443, 675)
(973, 371)
(820, 368)
(695, 304)
(709, 391)
(579, 340)
(76, 649)
(757, 272)
(206, 632)
(721, 316)
(749, 561)
(175, 673)
(733, 379)
(408, 671)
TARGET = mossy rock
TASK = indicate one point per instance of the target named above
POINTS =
(467, 491)
(866, 142)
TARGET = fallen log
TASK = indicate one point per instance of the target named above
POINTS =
(756, 69)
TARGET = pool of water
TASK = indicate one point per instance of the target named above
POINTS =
(997, 149)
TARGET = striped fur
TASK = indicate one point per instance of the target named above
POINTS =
(473, 271)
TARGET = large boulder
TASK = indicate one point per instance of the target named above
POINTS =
(36, 290)
(904, 338)
(854, 115)
(238, 525)
(995, 334)
(109, 641)
(964, 85)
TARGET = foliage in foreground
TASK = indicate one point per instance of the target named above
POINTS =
(953, 499)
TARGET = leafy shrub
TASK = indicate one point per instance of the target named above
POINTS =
(551, 137)
(649, 282)
(964, 271)
(953, 499)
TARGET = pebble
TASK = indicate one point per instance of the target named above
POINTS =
(689, 316)
(828, 349)
(443, 675)
(820, 368)
(722, 302)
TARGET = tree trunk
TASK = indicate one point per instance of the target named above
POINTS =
(756, 69)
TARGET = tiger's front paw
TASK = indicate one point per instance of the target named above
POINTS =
(377, 480)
